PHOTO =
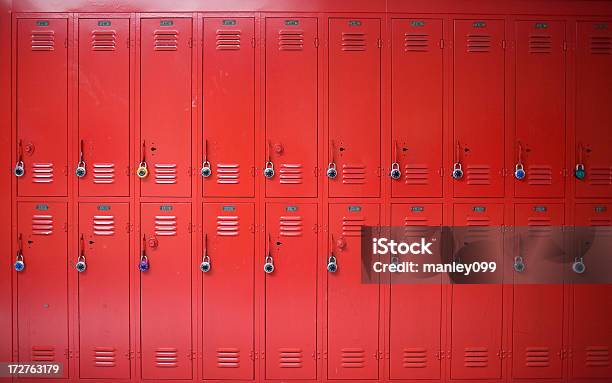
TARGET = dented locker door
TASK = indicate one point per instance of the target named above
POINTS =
(42, 106)
(593, 112)
(104, 291)
(416, 116)
(228, 324)
(476, 309)
(539, 146)
(165, 240)
(415, 344)
(291, 291)
(229, 106)
(354, 107)
(104, 107)
(42, 287)
(291, 106)
(352, 306)
(165, 106)
(592, 303)
(478, 107)
(537, 325)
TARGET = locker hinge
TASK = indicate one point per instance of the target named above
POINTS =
(439, 354)
(128, 43)
(263, 355)
(252, 355)
(66, 43)
(253, 42)
(316, 42)
(324, 354)
(500, 354)
(441, 172)
(316, 171)
(190, 42)
(130, 355)
(252, 228)
(378, 355)
(448, 355)
(315, 228)
(564, 45)
(129, 227)
(65, 226)
(379, 43)
(191, 171)
(503, 43)
(564, 172)
(324, 228)
(190, 227)
(192, 354)
(441, 43)
(253, 171)
(318, 354)
(378, 171)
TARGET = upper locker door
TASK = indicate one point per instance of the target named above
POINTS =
(417, 91)
(104, 107)
(291, 291)
(104, 291)
(165, 106)
(539, 145)
(593, 112)
(537, 325)
(291, 106)
(228, 324)
(478, 137)
(352, 306)
(165, 291)
(42, 106)
(42, 286)
(229, 106)
(354, 107)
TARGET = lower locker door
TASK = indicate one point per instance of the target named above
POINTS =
(352, 307)
(165, 291)
(291, 292)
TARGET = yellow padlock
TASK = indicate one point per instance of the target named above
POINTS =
(142, 170)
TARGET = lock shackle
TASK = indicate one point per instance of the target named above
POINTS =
(19, 254)
(81, 156)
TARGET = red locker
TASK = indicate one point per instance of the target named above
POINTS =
(540, 109)
(291, 106)
(352, 306)
(228, 332)
(354, 107)
(165, 106)
(415, 317)
(478, 137)
(42, 286)
(592, 304)
(291, 291)
(104, 107)
(476, 328)
(42, 107)
(165, 291)
(229, 106)
(416, 97)
(104, 290)
(537, 325)
(593, 112)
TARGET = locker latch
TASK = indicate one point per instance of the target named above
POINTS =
(457, 169)
(205, 265)
(331, 167)
(206, 170)
(395, 172)
(81, 264)
(19, 261)
(580, 171)
(519, 169)
(81, 168)
(142, 170)
(19, 169)
(269, 261)
(269, 168)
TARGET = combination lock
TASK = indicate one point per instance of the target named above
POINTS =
(269, 265)
(269, 170)
(332, 264)
(205, 265)
(580, 173)
(142, 170)
(457, 171)
(81, 169)
(19, 169)
(331, 171)
(519, 264)
(206, 171)
(395, 173)
(519, 172)
(81, 265)
(578, 266)
(19, 263)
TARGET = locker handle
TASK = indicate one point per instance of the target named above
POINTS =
(81, 168)
(269, 168)
(142, 170)
(205, 265)
(269, 260)
(580, 171)
(457, 168)
(19, 169)
(81, 264)
(206, 170)
(519, 169)
(19, 260)
(395, 172)
(331, 167)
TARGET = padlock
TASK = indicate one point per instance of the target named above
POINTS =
(519, 264)
(143, 265)
(395, 173)
(394, 260)
(19, 263)
(81, 265)
(81, 170)
(206, 171)
(457, 171)
(269, 170)
(331, 171)
(19, 170)
(269, 265)
(332, 264)
(142, 170)
(578, 266)
(205, 265)
(580, 173)
(519, 172)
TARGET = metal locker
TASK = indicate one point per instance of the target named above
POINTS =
(415, 316)
(291, 291)
(539, 146)
(104, 108)
(104, 290)
(352, 306)
(291, 106)
(42, 285)
(354, 107)
(478, 107)
(165, 107)
(229, 107)
(476, 309)
(592, 306)
(41, 165)
(165, 291)
(228, 260)
(416, 111)
(537, 315)
(593, 158)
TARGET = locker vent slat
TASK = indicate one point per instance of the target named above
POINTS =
(476, 357)
(103, 173)
(540, 44)
(351, 226)
(353, 174)
(228, 40)
(600, 176)
(539, 175)
(290, 174)
(537, 357)
(166, 40)
(290, 226)
(228, 173)
(165, 174)
(416, 174)
(478, 175)
(415, 228)
(228, 358)
(290, 358)
(416, 42)
(601, 45)
(103, 225)
(43, 40)
(479, 43)
(228, 226)
(165, 225)
(166, 357)
(353, 42)
(43, 354)
(42, 173)
(600, 221)
(479, 228)
(290, 40)
(103, 40)
(597, 356)
(353, 358)
(104, 357)
(414, 358)
(42, 224)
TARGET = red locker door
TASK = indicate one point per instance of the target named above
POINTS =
(291, 291)
(165, 106)
(417, 91)
(42, 287)
(478, 138)
(104, 291)
(415, 343)
(228, 332)
(42, 106)
(104, 106)
(354, 107)
(229, 106)
(352, 307)
(592, 304)
(476, 328)
(540, 109)
(291, 106)
(165, 291)
(537, 325)
(593, 112)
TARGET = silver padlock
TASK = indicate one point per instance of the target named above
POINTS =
(205, 265)
(19, 169)
(578, 266)
(206, 171)
(332, 264)
(457, 171)
(81, 170)
(142, 170)
(519, 172)
(331, 171)
(269, 170)
(269, 265)
(519, 264)
(19, 262)
(395, 173)
(81, 265)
